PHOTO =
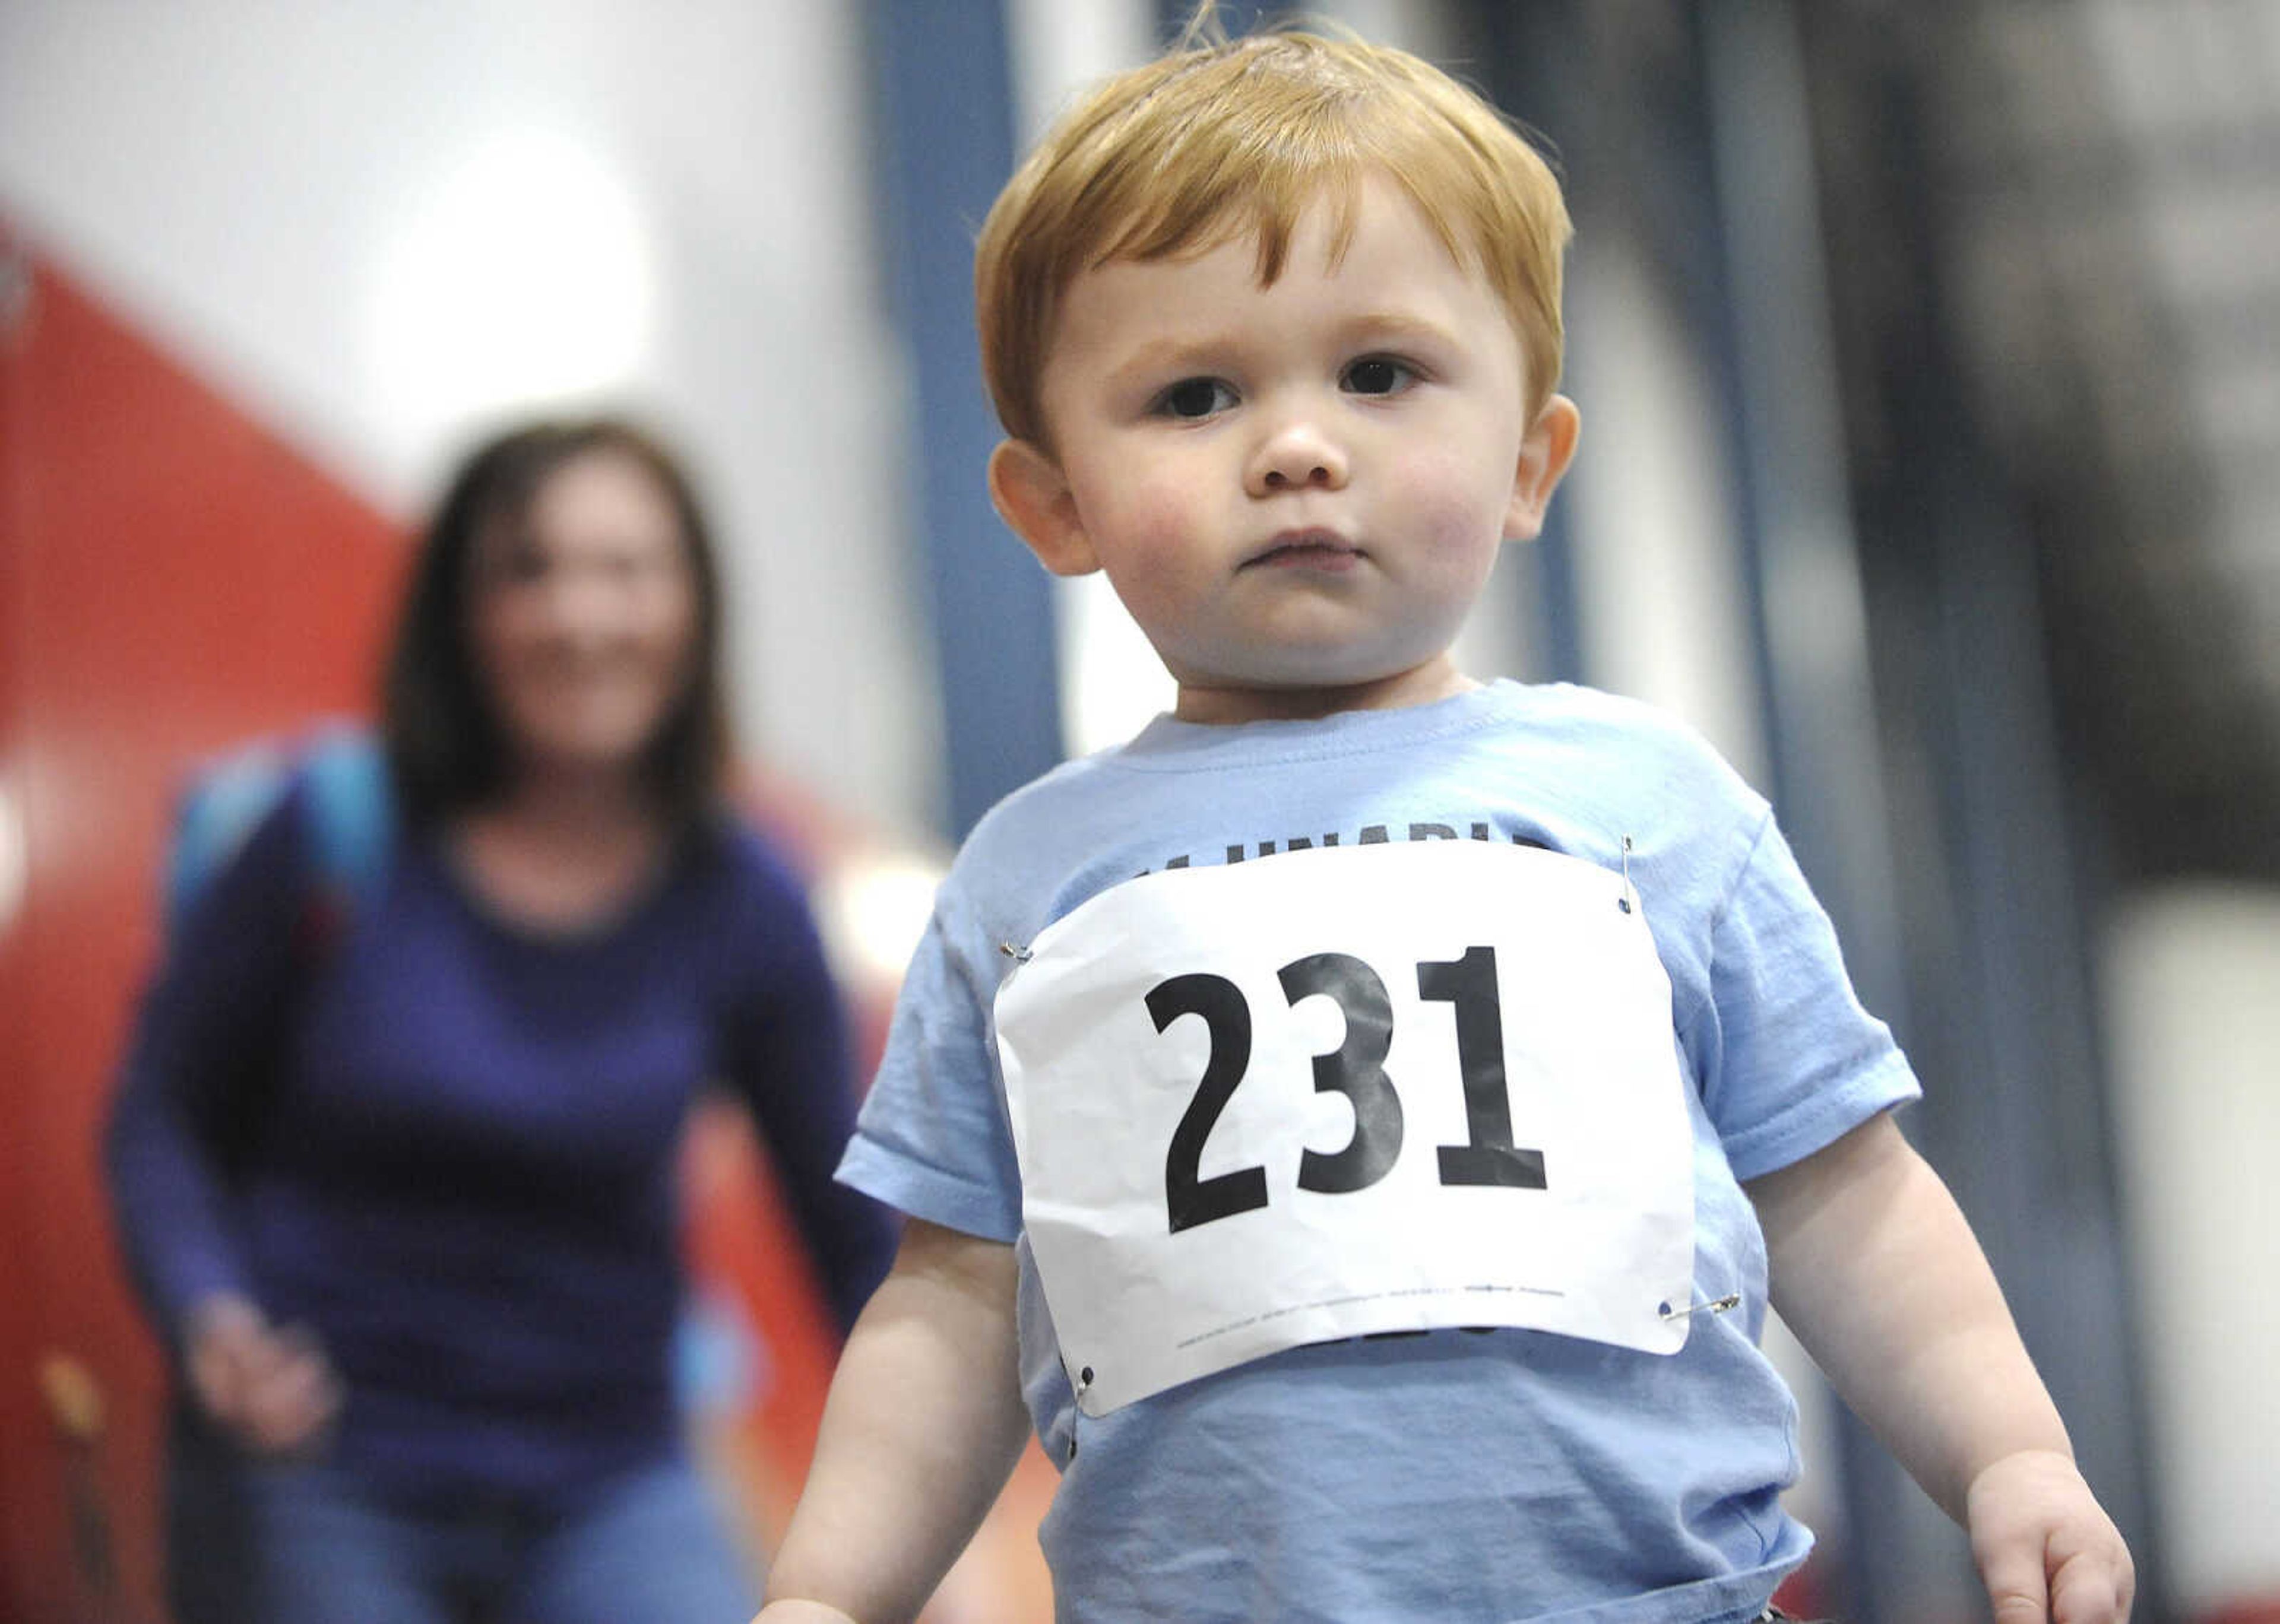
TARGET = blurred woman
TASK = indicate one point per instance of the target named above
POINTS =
(397, 1170)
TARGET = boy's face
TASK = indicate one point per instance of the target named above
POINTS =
(1298, 490)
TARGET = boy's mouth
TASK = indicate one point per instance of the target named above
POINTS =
(1307, 549)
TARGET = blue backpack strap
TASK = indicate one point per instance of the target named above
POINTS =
(218, 809)
(349, 799)
(351, 808)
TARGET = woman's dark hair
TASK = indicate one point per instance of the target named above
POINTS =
(444, 741)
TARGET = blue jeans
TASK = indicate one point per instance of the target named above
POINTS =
(647, 1549)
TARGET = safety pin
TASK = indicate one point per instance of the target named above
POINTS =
(1713, 1306)
(1019, 955)
(1624, 901)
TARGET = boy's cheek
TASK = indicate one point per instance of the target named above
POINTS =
(1142, 588)
(1153, 523)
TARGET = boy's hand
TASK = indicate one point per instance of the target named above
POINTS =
(2046, 1549)
(801, 1612)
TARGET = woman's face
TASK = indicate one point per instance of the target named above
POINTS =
(583, 617)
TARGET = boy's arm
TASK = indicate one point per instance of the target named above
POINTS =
(1878, 1272)
(922, 1427)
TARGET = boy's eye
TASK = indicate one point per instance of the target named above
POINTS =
(1378, 374)
(1194, 397)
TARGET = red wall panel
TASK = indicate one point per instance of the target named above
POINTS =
(171, 576)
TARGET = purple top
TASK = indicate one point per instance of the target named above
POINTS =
(461, 1170)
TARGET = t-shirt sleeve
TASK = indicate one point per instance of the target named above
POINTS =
(1788, 1059)
(932, 1139)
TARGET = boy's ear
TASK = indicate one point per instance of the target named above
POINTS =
(1544, 455)
(1033, 496)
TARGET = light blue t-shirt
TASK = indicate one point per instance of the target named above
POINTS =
(1452, 1476)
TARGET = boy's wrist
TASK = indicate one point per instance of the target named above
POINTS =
(2036, 1461)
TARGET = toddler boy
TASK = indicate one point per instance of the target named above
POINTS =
(1352, 1123)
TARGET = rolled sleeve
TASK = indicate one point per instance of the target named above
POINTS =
(932, 1139)
(1789, 1059)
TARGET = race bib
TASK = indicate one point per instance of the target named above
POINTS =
(1343, 1090)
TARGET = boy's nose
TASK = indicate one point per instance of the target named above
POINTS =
(1297, 456)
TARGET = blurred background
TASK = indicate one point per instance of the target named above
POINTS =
(1929, 364)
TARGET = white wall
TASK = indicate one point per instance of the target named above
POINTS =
(380, 224)
(2192, 978)
(1658, 567)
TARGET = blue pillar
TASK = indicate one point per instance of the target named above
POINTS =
(944, 126)
(1524, 58)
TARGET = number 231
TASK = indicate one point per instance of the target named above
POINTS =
(1356, 1069)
